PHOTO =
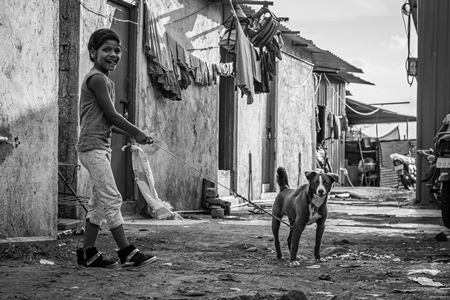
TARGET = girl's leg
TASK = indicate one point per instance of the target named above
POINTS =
(119, 236)
(90, 235)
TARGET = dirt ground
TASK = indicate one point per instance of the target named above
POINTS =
(377, 248)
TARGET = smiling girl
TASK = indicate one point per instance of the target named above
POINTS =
(98, 118)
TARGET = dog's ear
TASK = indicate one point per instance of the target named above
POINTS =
(310, 175)
(333, 176)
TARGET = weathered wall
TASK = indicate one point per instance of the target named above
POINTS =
(69, 57)
(433, 90)
(29, 118)
(187, 128)
(250, 123)
(296, 118)
(295, 128)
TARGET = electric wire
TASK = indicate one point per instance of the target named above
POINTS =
(345, 102)
(99, 13)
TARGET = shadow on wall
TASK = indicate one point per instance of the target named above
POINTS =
(28, 160)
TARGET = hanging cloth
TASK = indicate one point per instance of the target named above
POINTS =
(244, 63)
(144, 179)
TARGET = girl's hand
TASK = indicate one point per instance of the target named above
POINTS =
(143, 138)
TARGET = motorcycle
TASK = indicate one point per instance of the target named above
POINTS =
(438, 177)
(405, 167)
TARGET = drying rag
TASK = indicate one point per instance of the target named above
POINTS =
(144, 179)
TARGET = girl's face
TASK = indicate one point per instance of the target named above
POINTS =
(107, 56)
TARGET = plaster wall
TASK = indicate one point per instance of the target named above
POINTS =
(295, 128)
(296, 119)
(185, 131)
(29, 118)
(251, 120)
(188, 128)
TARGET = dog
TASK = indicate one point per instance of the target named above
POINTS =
(303, 206)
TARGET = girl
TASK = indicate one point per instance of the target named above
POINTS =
(98, 118)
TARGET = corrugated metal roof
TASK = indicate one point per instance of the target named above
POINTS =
(350, 78)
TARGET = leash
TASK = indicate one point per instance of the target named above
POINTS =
(215, 181)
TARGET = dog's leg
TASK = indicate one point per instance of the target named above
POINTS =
(294, 240)
(275, 230)
(319, 234)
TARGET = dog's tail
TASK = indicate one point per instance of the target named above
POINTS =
(282, 178)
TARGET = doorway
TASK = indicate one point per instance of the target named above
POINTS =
(269, 140)
(124, 79)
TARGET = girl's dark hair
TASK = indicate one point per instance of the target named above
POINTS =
(99, 37)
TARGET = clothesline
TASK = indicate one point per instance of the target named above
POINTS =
(99, 13)
(345, 102)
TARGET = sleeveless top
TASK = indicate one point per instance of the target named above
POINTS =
(95, 129)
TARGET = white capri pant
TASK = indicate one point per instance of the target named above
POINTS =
(105, 201)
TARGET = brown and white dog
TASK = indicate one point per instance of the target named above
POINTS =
(303, 206)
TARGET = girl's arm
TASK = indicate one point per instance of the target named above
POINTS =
(97, 84)
(119, 131)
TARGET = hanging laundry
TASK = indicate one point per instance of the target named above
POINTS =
(336, 127)
(318, 128)
(244, 71)
(159, 58)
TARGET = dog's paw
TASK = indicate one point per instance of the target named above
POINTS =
(294, 263)
(320, 259)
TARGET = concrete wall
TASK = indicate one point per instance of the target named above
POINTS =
(296, 118)
(29, 118)
(188, 128)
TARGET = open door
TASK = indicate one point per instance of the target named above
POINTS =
(227, 126)
(124, 80)
(269, 141)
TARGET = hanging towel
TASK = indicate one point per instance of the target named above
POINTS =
(244, 63)
(144, 179)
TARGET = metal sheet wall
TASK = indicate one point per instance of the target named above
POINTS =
(433, 93)
(331, 94)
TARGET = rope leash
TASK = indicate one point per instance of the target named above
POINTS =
(215, 181)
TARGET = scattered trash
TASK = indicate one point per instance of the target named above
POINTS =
(227, 277)
(313, 267)
(74, 288)
(301, 257)
(409, 291)
(424, 271)
(235, 289)
(252, 249)
(46, 262)
(62, 245)
(167, 264)
(343, 195)
(328, 294)
(426, 281)
(78, 231)
(325, 277)
(350, 265)
(143, 229)
(64, 233)
(441, 237)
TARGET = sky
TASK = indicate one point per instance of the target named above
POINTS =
(371, 36)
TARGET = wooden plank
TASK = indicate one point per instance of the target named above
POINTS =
(26, 240)
(64, 224)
